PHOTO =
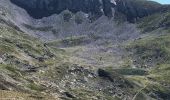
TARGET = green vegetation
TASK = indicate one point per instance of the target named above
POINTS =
(155, 21)
(72, 41)
(45, 29)
(161, 74)
(69, 41)
(157, 89)
(25, 96)
(21, 54)
(12, 69)
(84, 94)
(154, 52)
(151, 49)
(56, 72)
(35, 87)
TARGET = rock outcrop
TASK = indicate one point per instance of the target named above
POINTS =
(132, 9)
(44, 8)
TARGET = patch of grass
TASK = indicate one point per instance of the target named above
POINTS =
(2, 66)
(70, 41)
(127, 63)
(13, 71)
(84, 94)
(161, 74)
(45, 29)
(11, 68)
(73, 41)
(35, 87)
(151, 50)
(57, 72)
(155, 21)
(157, 91)
(10, 95)
(32, 49)
(6, 48)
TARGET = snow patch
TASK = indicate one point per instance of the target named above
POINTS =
(113, 2)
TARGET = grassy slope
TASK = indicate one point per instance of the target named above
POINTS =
(18, 53)
(157, 51)
(11, 95)
(152, 49)
(150, 56)
(155, 21)
(153, 52)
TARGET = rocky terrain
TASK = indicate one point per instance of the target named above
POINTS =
(84, 50)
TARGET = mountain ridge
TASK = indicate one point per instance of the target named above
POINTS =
(95, 9)
(44, 8)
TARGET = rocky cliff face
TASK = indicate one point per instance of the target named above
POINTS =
(132, 9)
(44, 8)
